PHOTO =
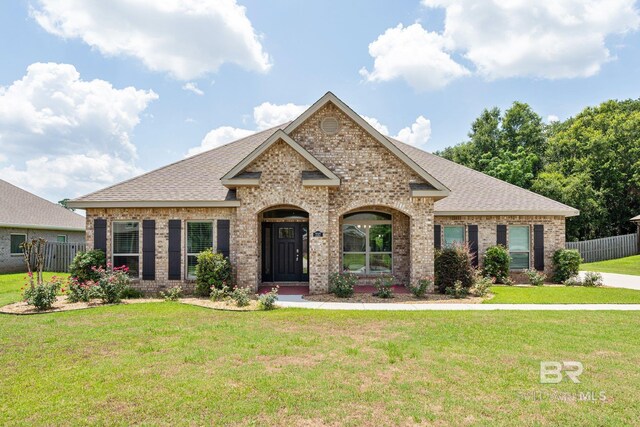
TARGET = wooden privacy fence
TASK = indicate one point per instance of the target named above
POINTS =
(606, 248)
(58, 256)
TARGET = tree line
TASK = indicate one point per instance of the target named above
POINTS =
(590, 162)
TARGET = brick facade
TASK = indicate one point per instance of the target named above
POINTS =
(371, 178)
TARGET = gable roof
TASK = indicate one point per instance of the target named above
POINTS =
(440, 190)
(233, 177)
(21, 209)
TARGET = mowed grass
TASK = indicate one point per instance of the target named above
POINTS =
(10, 285)
(562, 295)
(627, 265)
(173, 364)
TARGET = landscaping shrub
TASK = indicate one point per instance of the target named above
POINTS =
(173, 294)
(566, 264)
(79, 291)
(342, 284)
(592, 279)
(458, 290)
(508, 281)
(268, 301)
(535, 277)
(453, 264)
(212, 270)
(420, 290)
(384, 287)
(497, 262)
(43, 295)
(240, 296)
(573, 281)
(219, 294)
(83, 266)
(131, 293)
(481, 284)
(111, 284)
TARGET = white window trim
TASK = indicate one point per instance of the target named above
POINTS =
(16, 234)
(66, 238)
(464, 233)
(368, 252)
(113, 254)
(519, 252)
(186, 243)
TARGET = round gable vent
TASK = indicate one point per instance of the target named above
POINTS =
(329, 125)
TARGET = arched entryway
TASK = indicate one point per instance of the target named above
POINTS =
(285, 245)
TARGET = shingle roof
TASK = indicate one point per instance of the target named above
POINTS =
(635, 218)
(197, 179)
(19, 208)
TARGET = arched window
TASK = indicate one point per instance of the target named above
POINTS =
(367, 243)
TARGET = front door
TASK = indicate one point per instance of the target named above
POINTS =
(288, 258)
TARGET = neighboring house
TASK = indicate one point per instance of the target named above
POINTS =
(322, 194)
(26, 216)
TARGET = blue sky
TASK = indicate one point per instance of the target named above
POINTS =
(65, 133)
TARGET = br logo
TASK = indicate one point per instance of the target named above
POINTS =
(552, 372)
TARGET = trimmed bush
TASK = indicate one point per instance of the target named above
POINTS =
(573, 281)
(421, 289)
(79, 291)
(111, 285)
(481, 284)
(457, 290)
(172, 294)
(535, 277)
(212, 270)
(341, 284)
(268, 301)
(497, 262)
(384, 287)
(451, 265)
(566, 264)
(130, 293)
(592, 279)
(43, 295)
(219, 294)
(240, 296)
(84, 265)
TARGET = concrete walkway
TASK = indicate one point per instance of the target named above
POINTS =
(615, 280)
(455, 307)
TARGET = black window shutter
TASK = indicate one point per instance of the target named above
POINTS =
(473, 244)
(223, 237)
(538, 247)
(100, 234)
(501, 232)
(175, 231)
(148, 249)
(437, 237)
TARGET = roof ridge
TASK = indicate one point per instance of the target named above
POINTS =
(478, 172)
(182, 160)
(56, 205)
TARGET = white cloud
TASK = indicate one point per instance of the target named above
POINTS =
(418, 56)
(377, 125)
(417, 134)
(192, 87)
(551, 40)
(186, 38)
(552, 118)
(63, 135)
(3, 158)
(217, 137)
(268, 115)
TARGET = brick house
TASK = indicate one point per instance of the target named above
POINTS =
(321, 194)
(25, 216)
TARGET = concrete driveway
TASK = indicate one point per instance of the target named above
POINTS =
(615, 280)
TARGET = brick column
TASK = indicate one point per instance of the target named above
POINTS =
(422, 250)
(319, 252)
(246, 244)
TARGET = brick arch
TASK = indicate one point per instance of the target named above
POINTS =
(282, 206)
(357, 206)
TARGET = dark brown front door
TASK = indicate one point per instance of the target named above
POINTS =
(285, 252)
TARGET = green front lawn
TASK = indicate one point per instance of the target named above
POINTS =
(10, 285)
(173, 364)
(562, 295)
(627, 265)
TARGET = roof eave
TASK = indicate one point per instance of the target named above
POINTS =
(42, 227)
(434, 194)
(564, 213)
(80, 204)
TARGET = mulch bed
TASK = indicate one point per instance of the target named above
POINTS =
(220, 305)
(397, 299)
(61, 304)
